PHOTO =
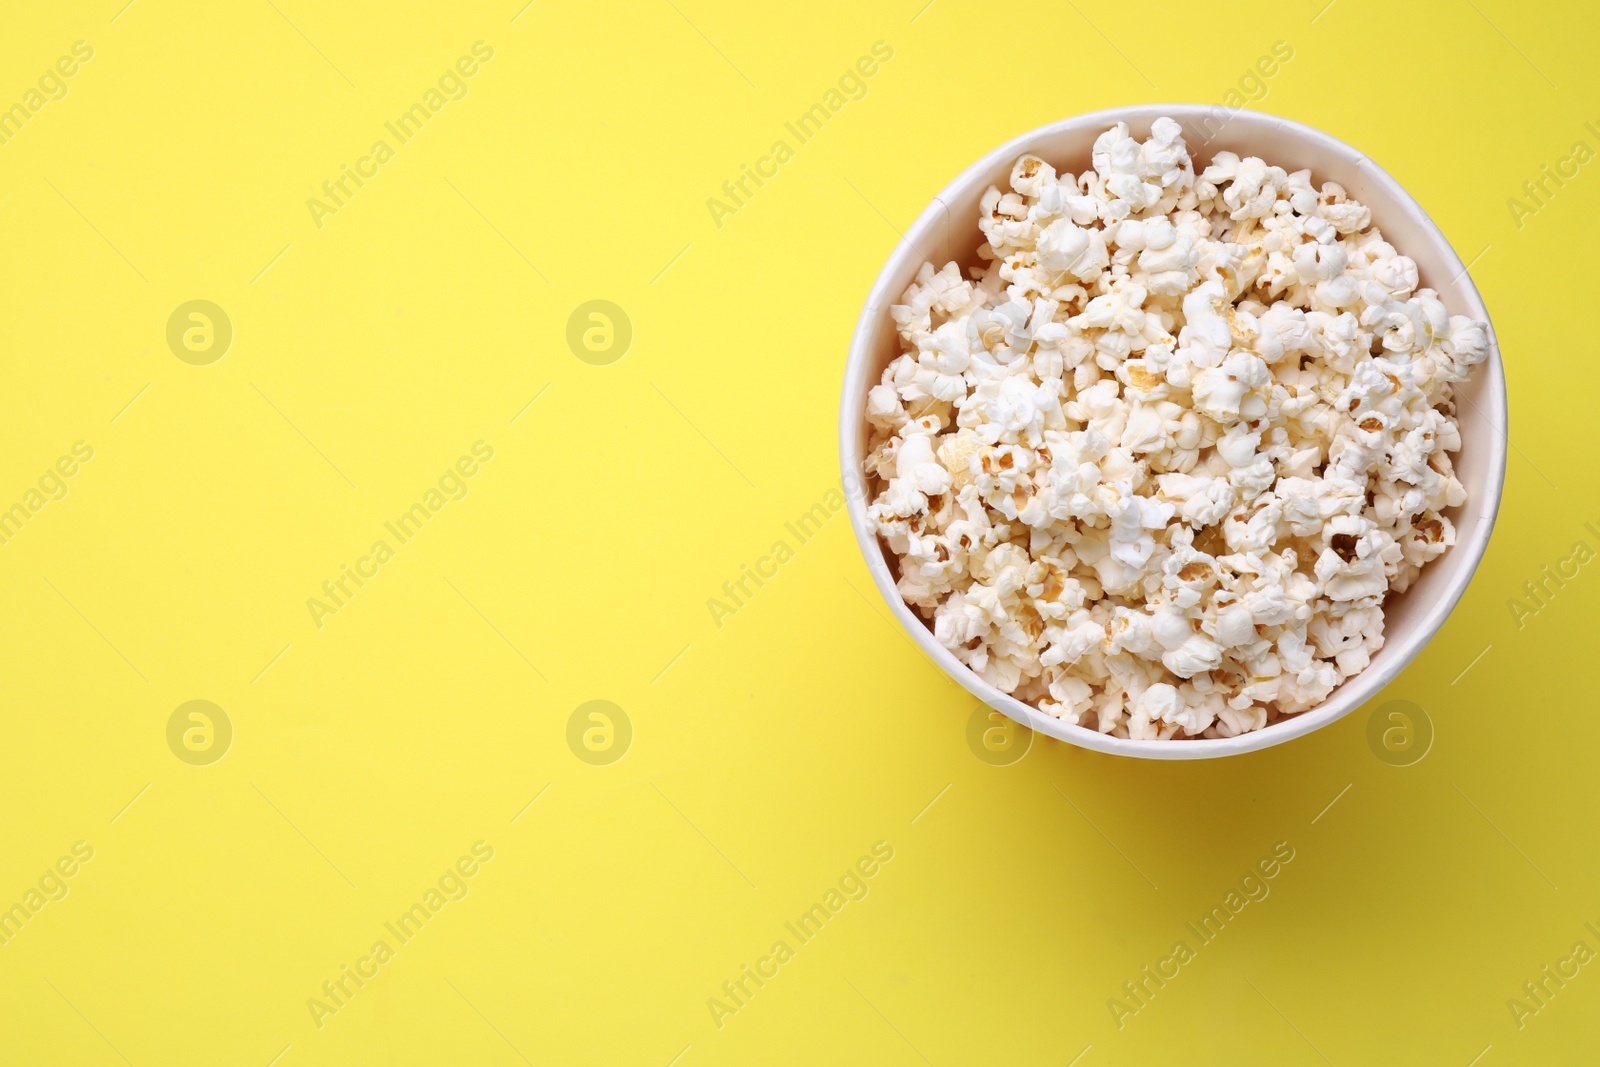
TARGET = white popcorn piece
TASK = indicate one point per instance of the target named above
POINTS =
(1157, 464)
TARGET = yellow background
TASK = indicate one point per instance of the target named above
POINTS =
(767, 754)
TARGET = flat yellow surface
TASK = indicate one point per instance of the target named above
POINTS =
(407, 745)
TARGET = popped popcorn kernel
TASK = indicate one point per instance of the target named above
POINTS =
(1156, 463)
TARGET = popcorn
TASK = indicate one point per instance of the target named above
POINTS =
(1155, 464)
